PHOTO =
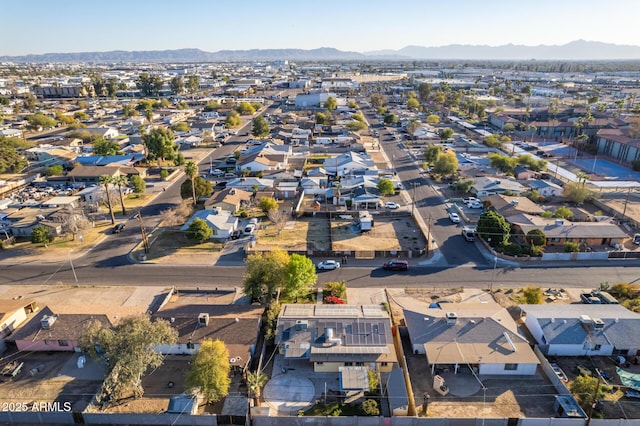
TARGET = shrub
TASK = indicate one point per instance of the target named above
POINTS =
(571, 247)
(333, 300)
(370, 408)
(515, 249)
(336, 289)
(164, 174)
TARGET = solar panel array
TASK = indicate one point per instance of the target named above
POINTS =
(300, 311)
(343, 311)
(366, 333)
(374, 311)
(346, 350)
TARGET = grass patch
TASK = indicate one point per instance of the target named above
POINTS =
(175, 242)
(332, 410)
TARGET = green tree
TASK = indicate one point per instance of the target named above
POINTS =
(138, 184)
(199, 230)
(424, 90)
(357, 117)
(129, 110)
(378, 100)
(193, 83)
(503, 163)
(177, 84)
(563, 213)
(386, 187)
(180, 127)
(493, 141)
(536, 237)
(131, 348)
(577, 192)
(321, 118)
(112, 87)
(336, 289)
(571, 247)
(202, 188)
(265, 273)
(260, 127)
(245, 108)
(160, 144)
(266, 204)
(390, 119)
(209, 372)
(191, 170)
(233, 120)
(106, 181)
(330, 103)
(433, 119)
(584, 389)
(447, 164)
(494, 228)
(301, 275)
(149, 85)
(105, 147)
(40, 121)
(412, 104)
(532, 295)
(56, 170)
(64, 119)
(432, 153)
(446, 133)
(255, 381)
(121, 181)
(212, 105)
(355, 126)
(41, 235)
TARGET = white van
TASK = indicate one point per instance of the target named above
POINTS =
(469, 234)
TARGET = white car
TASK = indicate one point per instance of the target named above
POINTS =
(216, 172)
(471, 200)
(248, 230)
(454, 217)
(391, 205)
(328, 265)
(475, 205)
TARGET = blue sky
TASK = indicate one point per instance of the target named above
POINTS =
(44, 26)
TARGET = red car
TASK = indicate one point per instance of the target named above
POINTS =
(396, 265)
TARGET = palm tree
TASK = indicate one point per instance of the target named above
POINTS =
(255, 381)
(106, 180)
(582, 178)
(121, 181)
(191, 170)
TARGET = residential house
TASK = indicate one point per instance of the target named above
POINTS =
(545, 188)
(47, 155)
(334, 336)
(230, 199)
(23, 221)
(313, 185)
(286, 189)
(132, 159)
(190, 141)
(267, 156)
(88, 175)
(196, 317)
(315, 99)
(202, 127)
(461, 336)
(103, 132)
(46, 331)
(501, 120)
(488, 185)
(584, 330)
(344, 164)
(251, 183)
(510, 206)
(221, 222)
(560, 231)
(522, 172)
(12, 314)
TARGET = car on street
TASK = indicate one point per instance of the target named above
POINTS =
(470, 200)
(475, 205)
(636, 239)
(118, 228)
(216, 172)
(396, 265)
(453, 217)
(328, 265)
(231, 160)
(391, 205)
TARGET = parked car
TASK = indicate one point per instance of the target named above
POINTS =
(475, 205)
(471, 200)
(216, 172)
(396, 265)
(636, 239)
(231, 160)
(236, 234)
(391, 205)
(249, 229)
(118, 228)
(328, 265)
(454, 217)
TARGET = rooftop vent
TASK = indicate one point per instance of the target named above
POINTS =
(559, 222)
(452, 318)
(585, 319)
(203, 320)
(47, 321)
(598, 324)
(329, 337)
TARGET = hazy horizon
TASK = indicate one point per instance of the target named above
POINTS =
(40, 26)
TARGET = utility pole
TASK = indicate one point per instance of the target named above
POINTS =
(143, 233)
(624, 211)
(73, 270)
(428, 234)
(594, 401)
(413, 203)
(493, 273)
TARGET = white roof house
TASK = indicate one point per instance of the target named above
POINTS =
(344, 164)
(221, 222)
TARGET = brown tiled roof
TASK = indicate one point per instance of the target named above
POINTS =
(65, 327)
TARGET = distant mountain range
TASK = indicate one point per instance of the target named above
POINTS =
(575, 50)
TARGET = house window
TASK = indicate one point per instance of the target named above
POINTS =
(191, 345)
(360, 364)
(597, 347)
(46, 342)
(510, 367)
(63, 343)
(555, 240)
(384, 364)
(319, 363)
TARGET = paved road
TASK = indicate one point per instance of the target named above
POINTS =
(429, 202)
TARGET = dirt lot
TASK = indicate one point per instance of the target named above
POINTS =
(307, 233)
(171, 246)
(388, 233)
(43, 379)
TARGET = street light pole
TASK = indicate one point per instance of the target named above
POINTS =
(143, 233)
(493, 273)
(413, 203)
(73, 270)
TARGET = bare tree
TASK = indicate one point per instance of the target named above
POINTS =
(279, 219)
